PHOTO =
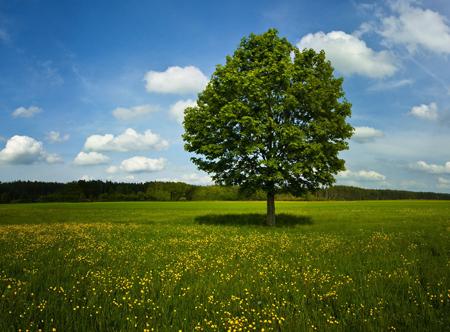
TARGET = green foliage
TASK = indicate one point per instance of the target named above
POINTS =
(81, 191)
(208, 266)
(216, 193)
(271, 118)
(169, 191)
(353, 193)
(225, 193)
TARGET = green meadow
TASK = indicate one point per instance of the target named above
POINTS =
(206, 266)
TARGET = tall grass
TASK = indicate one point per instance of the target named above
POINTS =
(344, 266)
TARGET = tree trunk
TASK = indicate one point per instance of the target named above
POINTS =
(270, 219)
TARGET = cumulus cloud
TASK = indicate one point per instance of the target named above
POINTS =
(141, 164)
(53, 158)
(122, 113)
(366, 134)
(90, 158)
(427, 112)
(431, 168)
(350, 55)
(415, 28)
(56, 137)
(129, 140)
(362, 175)
(25, 150)
(23, 112)
(112, 169)
(138, 164)
(179, 80)
(177, 110)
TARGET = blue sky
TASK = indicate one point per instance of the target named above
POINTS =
(96, 90)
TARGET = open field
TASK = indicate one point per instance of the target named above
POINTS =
(345, 266)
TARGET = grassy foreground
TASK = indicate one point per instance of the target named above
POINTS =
(345, 266)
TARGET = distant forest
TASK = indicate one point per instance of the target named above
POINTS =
(90, 191)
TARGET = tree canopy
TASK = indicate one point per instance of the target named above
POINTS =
(272, 117)
(99, 191)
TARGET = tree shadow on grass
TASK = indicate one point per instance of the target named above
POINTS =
(252, 219)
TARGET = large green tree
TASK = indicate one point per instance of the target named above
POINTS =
(272, 118)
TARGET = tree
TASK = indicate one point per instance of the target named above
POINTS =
(272, 118)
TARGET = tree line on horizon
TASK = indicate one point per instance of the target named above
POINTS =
(104, 191)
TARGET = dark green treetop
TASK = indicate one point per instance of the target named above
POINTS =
(272, 118)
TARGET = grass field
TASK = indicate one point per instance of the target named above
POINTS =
(345, 266)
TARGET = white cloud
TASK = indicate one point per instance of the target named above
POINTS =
(177, 110)
(23, 112)
(90, 158)
(427, 112)
(53, 158)
(366, 134)
(390, 85)
(86, 178)
(129, 140)
(112, 169)
(432, 168)
(138, 164)
(443, 183)
(415, 27)
(350, 55)
(25, 150)
(363, 29)
(180, 80)
(192, 178)
(141, 164)
(122, 113)
(361, 175)
(196, 178)
(56, 137)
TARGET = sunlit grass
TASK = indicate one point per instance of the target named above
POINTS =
(211, 266)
